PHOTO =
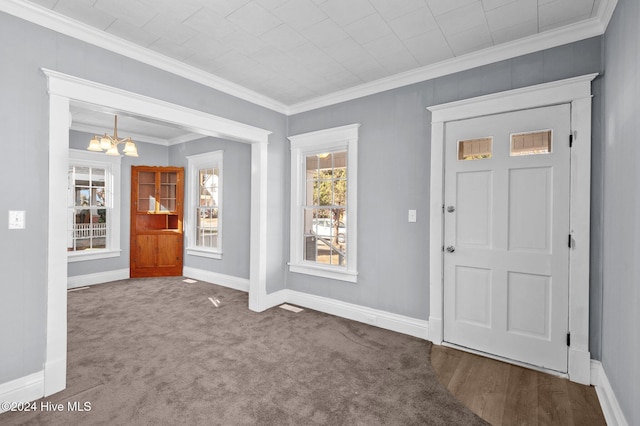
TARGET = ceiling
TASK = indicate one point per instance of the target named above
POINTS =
(292, 55)
(99, 120)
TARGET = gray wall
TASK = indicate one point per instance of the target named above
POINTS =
(621, 243)
(394, 167)
(149, 155)
(395, 136)
(24, 121)
(236, 199)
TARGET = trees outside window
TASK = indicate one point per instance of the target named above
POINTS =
(323, 203)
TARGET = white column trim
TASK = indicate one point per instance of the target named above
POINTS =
(63, 90)
(577, 92)
(258, 232)
(55, 365)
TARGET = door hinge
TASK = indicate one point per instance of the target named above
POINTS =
(569, 242)
(568, 339)
(570, 140)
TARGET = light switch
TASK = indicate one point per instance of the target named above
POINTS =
(16, 219)
(412, 215)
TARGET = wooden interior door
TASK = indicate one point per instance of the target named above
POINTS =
(506, 262)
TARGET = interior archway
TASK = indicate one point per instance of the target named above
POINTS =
(63, 90)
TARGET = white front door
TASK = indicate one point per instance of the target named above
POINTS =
(506, 236)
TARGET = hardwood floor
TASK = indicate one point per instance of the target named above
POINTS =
(505, 394)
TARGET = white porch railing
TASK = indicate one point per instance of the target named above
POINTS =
(89, 230)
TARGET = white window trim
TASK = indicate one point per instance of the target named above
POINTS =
(194, 164)
(112, 165)
(337, 138)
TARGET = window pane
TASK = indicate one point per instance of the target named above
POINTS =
(89, 229)
(207, 208)
(83, 196)
(97, 177)
(325, 210)
(311, 165)
(340, 189)
(88, 218)
(97, 197)
(531, 143)
(475, 149)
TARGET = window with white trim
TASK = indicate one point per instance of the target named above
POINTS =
(323, 203)
(203, 217)
(93, 203)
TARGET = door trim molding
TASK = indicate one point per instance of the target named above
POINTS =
(577, 92)
(64, 89)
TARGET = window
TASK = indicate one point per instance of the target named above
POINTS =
(93, 206)
(203, 218)
(475, 149)
(531, 143)
(323, 203)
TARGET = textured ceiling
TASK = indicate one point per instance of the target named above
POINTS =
(293, 51)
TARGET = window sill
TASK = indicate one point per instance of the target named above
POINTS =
(325, 272)
(204, 253)
(92, 255)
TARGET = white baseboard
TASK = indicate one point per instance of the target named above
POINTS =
(378, 318)
(97, 278)
(25, 389)
(608, 401)
(230, 281)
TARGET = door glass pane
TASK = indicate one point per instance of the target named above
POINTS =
(146, 191)
(475, 149)
(168, 182)
(531, 143)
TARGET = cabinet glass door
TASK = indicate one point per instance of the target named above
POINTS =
(146, 191)
(168, 186)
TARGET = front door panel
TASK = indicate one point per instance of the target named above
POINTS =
(506, 266)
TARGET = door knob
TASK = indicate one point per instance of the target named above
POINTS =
(451, 209)
(451, 249)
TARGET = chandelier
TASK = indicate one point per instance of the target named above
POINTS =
(110, 144)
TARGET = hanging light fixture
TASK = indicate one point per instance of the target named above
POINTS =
(110, 143)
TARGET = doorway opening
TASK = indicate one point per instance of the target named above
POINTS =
(65, 89)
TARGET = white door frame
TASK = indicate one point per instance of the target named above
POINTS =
(63, 89)
(577, 92)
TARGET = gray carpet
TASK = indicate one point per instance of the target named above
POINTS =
(157, 351)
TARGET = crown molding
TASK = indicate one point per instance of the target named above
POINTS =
(54, 21)
(546, 40)
(571, 33)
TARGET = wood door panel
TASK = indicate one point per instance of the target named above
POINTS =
(146, 251)
(169, 250)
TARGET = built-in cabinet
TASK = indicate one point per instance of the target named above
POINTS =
(156, 221)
